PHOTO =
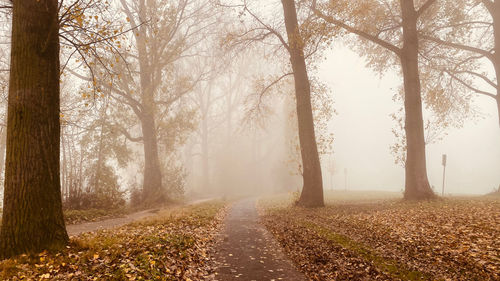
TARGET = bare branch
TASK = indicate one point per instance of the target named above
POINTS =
(424, 7)
(459, 46)
(375, 39)
(469, 86)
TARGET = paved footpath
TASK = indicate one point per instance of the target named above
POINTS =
(246, 251)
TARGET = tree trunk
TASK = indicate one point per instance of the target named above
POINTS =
(416, 181)
(100, 156)
(152, 185)
(204, 153)
(312, 191)
(32, 218)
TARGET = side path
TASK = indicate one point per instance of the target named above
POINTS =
(246, 251)
(75, 229)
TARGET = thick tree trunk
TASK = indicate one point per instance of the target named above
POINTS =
(152, 186)
(416, 181)
(312, 192)
(32, 218)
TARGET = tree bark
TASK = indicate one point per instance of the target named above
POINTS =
(152, 188)
(416, 181)
(312, 191)
(204, 152)
(32, 218)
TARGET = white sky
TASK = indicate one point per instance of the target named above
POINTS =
(363, 135)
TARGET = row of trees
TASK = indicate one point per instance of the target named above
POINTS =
(439, 47)
(146, 71)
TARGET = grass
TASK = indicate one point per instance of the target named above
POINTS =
(390, 266)
(80, 216)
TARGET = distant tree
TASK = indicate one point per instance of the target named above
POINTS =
(32, 216)
(160, 42)
(147, 77)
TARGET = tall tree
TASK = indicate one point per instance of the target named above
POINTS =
(304, 42)
(407, 53)
(148, 78)
(312, 192)
(167, 32)
(32, 217)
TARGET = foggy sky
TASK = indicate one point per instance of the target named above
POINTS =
(363, 135)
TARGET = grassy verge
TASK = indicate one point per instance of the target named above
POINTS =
(80, 216)
(174, 245)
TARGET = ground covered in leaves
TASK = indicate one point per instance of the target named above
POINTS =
(174, 245)
(447, 239)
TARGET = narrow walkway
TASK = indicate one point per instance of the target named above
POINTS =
(75, 229)
(246, 251)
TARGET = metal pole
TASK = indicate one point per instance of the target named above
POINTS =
(444, 172)
(444, 176)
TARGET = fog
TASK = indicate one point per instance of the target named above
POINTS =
(363, 134)
(362, 129)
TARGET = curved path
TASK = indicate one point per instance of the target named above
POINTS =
(75, 229)
(246, 251)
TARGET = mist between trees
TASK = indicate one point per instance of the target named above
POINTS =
(157, 101)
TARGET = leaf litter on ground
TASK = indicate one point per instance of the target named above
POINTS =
(446, 239)
(174, 245)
